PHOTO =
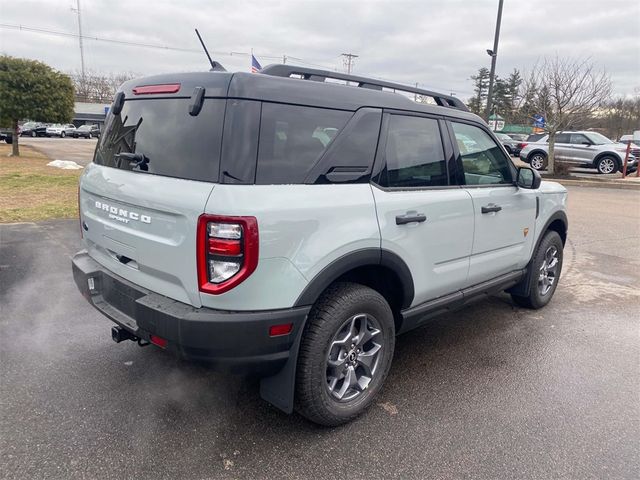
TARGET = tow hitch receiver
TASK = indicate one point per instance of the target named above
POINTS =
(119, 334)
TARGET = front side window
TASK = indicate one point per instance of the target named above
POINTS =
(413, 153)
(483, 161)
(578, 139)
(292, 140)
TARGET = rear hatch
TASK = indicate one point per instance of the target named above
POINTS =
(154, 168)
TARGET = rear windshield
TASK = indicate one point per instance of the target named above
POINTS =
(158, 136)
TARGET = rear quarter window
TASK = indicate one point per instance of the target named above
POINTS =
(292, 140)
(174, 143)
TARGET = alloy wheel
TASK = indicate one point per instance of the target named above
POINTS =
(548, 271)
(607, 165)
(353, 357)
(537, 162)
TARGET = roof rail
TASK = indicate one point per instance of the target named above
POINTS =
(363, 82)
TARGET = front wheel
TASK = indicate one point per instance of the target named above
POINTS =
(62, 134)
(538, 161)
(345, 354)
(544, 272)
(33, 134)
(607, 165)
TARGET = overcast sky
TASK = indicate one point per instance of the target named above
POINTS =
(437, 43)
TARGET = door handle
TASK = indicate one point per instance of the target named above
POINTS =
(410, 217)
(492, 207)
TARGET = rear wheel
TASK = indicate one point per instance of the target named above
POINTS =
(538, 161)
(607, 165)
(33, 134)
(345, 354)
(544, 272)
(62, 134)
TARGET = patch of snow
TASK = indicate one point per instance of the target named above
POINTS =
(65, 165)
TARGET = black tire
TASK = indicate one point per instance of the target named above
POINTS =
(537, 298)
(33, 134)
(607, 164)
(336, 308)
(537, 160)
(62, 134)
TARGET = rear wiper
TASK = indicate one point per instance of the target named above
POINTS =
(136, 160)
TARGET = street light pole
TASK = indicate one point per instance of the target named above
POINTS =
(494, 55)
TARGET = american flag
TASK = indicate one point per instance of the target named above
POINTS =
(255, 65)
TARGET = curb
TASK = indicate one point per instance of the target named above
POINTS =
(595, 183)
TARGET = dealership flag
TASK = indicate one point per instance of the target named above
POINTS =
(255, 65)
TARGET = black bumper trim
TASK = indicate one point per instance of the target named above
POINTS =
(233, 341)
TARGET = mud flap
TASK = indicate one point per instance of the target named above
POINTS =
(279, 389)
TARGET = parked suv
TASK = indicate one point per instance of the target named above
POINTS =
(581, 149)
(86, 131)
(61, 131)
(290, 226)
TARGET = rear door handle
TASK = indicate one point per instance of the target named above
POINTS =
(410, 217)
(492, 207)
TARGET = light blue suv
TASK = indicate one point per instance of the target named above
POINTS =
(291, 227)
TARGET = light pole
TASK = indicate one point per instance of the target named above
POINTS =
(494, 54)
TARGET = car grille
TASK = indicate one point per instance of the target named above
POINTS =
(635, 152)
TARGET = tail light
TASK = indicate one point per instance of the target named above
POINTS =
(227, 251)
(522, 145)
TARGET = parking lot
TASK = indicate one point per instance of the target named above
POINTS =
(492, 391)
(79, 150)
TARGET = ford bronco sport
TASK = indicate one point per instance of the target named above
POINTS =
(289, 226)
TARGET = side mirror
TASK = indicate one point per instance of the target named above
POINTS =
(528, 178)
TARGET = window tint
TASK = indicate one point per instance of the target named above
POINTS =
(562, 138)
(292, 139)
(483, 161)
(413, 153)
(350, 158)
(168, 140)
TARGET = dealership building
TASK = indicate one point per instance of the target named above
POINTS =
(89, 113)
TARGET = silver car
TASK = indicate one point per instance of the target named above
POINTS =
(581, 149)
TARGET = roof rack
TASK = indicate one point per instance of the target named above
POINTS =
(363, 82)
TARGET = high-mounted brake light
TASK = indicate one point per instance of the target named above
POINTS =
(227, 251)
(152, 89)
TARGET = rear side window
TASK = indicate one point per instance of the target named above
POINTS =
(413, 153)
(292, 140)
(563, 138)
(159, 137)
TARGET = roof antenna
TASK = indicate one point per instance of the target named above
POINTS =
(215, 66)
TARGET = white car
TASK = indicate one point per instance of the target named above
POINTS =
(61, 130)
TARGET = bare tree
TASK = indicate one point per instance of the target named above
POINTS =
(566, 91)
(98, 87)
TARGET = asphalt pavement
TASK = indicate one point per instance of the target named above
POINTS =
(492, 391)
(79, 150)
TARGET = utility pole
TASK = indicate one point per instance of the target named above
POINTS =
(284, 59)
(494, 54)
(348, 61)
(77, 10)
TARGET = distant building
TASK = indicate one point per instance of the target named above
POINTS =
(89, 113)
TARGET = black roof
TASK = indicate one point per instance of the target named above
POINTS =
(276, 85)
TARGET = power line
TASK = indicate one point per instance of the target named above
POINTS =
(45, 31)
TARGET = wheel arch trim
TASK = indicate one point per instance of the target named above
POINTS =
(359, 258)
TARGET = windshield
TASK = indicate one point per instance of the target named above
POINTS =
(597, 138)
(503, 136)
(84, 127)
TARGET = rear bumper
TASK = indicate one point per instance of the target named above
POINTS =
(232, 341)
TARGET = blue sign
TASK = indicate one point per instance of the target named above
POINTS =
(106, 111)
(538, 121)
